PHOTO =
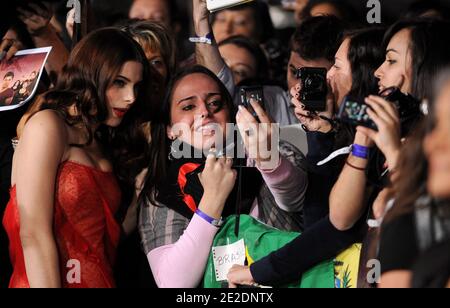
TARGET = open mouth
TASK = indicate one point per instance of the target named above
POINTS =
(207, 129)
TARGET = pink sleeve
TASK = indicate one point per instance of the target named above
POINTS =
(287, 184)
(182, 264)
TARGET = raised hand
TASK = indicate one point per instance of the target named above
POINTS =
(312, 121)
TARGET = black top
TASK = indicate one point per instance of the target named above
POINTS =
(321, 240)
(398, 244)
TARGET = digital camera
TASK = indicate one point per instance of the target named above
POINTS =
(217, 5)
(408, 107)
(314, 88)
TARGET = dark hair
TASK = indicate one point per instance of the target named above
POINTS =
(413, 169)
(262, 64)
(345, 11)
(413, 165)
(419, 8)
(92, 68)
(318, 38)
(264, 25)
(9, 74)
(366, 55)
(160, 143)
(429, 51)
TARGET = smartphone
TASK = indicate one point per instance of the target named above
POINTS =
(255, 93)
(354, 112)
(217, 5)
(314, 88)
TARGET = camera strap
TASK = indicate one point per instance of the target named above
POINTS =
(340, 152)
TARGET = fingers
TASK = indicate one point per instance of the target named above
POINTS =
(262, 115)
(383, 108)
(367, 132)
(8, 49)
(295, 90)
(244, 116)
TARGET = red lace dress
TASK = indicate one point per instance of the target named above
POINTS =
(85, 229)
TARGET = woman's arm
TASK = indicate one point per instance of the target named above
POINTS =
(182, 264)
(36, 162)
(348, 194)
(288, 184)
(207, 55)
(347, 197)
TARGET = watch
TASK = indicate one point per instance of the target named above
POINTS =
(215, 222)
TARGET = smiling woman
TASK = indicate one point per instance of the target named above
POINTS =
(185, 196)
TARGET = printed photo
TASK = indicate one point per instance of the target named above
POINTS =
(19, 77)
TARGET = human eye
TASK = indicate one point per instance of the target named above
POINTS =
(188, 107)
(119, 83)
(215, 105)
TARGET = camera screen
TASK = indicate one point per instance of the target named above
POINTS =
(355, 113)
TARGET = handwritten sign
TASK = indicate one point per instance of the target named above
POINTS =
(227, 256)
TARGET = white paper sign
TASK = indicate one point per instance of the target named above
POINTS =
(227, 256)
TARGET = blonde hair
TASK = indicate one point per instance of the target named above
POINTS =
(154, 36)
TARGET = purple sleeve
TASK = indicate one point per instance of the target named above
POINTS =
(182, 264)
(287, 184)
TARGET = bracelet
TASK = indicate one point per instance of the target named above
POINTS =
(209, 219)
(207, 39)
(354, 167)
(360, 151)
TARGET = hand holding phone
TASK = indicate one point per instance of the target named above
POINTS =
(248, 94)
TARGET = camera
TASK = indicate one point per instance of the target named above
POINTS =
(252, 92)
(217, 5)
(409, 109)
(314, 88)
(355, 113)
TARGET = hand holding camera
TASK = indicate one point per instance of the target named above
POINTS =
(311, 120)
(387, 137)
(385, 119)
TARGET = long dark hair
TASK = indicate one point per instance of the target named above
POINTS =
(160, 143)
(431, 55)
(365, 54)
(429, 51)
(413, 161)
(92, 68)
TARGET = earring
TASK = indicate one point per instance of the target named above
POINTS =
(172, 149)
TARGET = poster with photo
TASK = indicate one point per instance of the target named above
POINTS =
(19, 77)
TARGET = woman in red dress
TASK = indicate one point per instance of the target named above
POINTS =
(61, 216)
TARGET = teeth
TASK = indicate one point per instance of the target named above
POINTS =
(208, 129)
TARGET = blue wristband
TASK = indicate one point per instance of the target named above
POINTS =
(209, 219)
(360, 151)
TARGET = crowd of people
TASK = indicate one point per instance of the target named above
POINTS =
(98, 190)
